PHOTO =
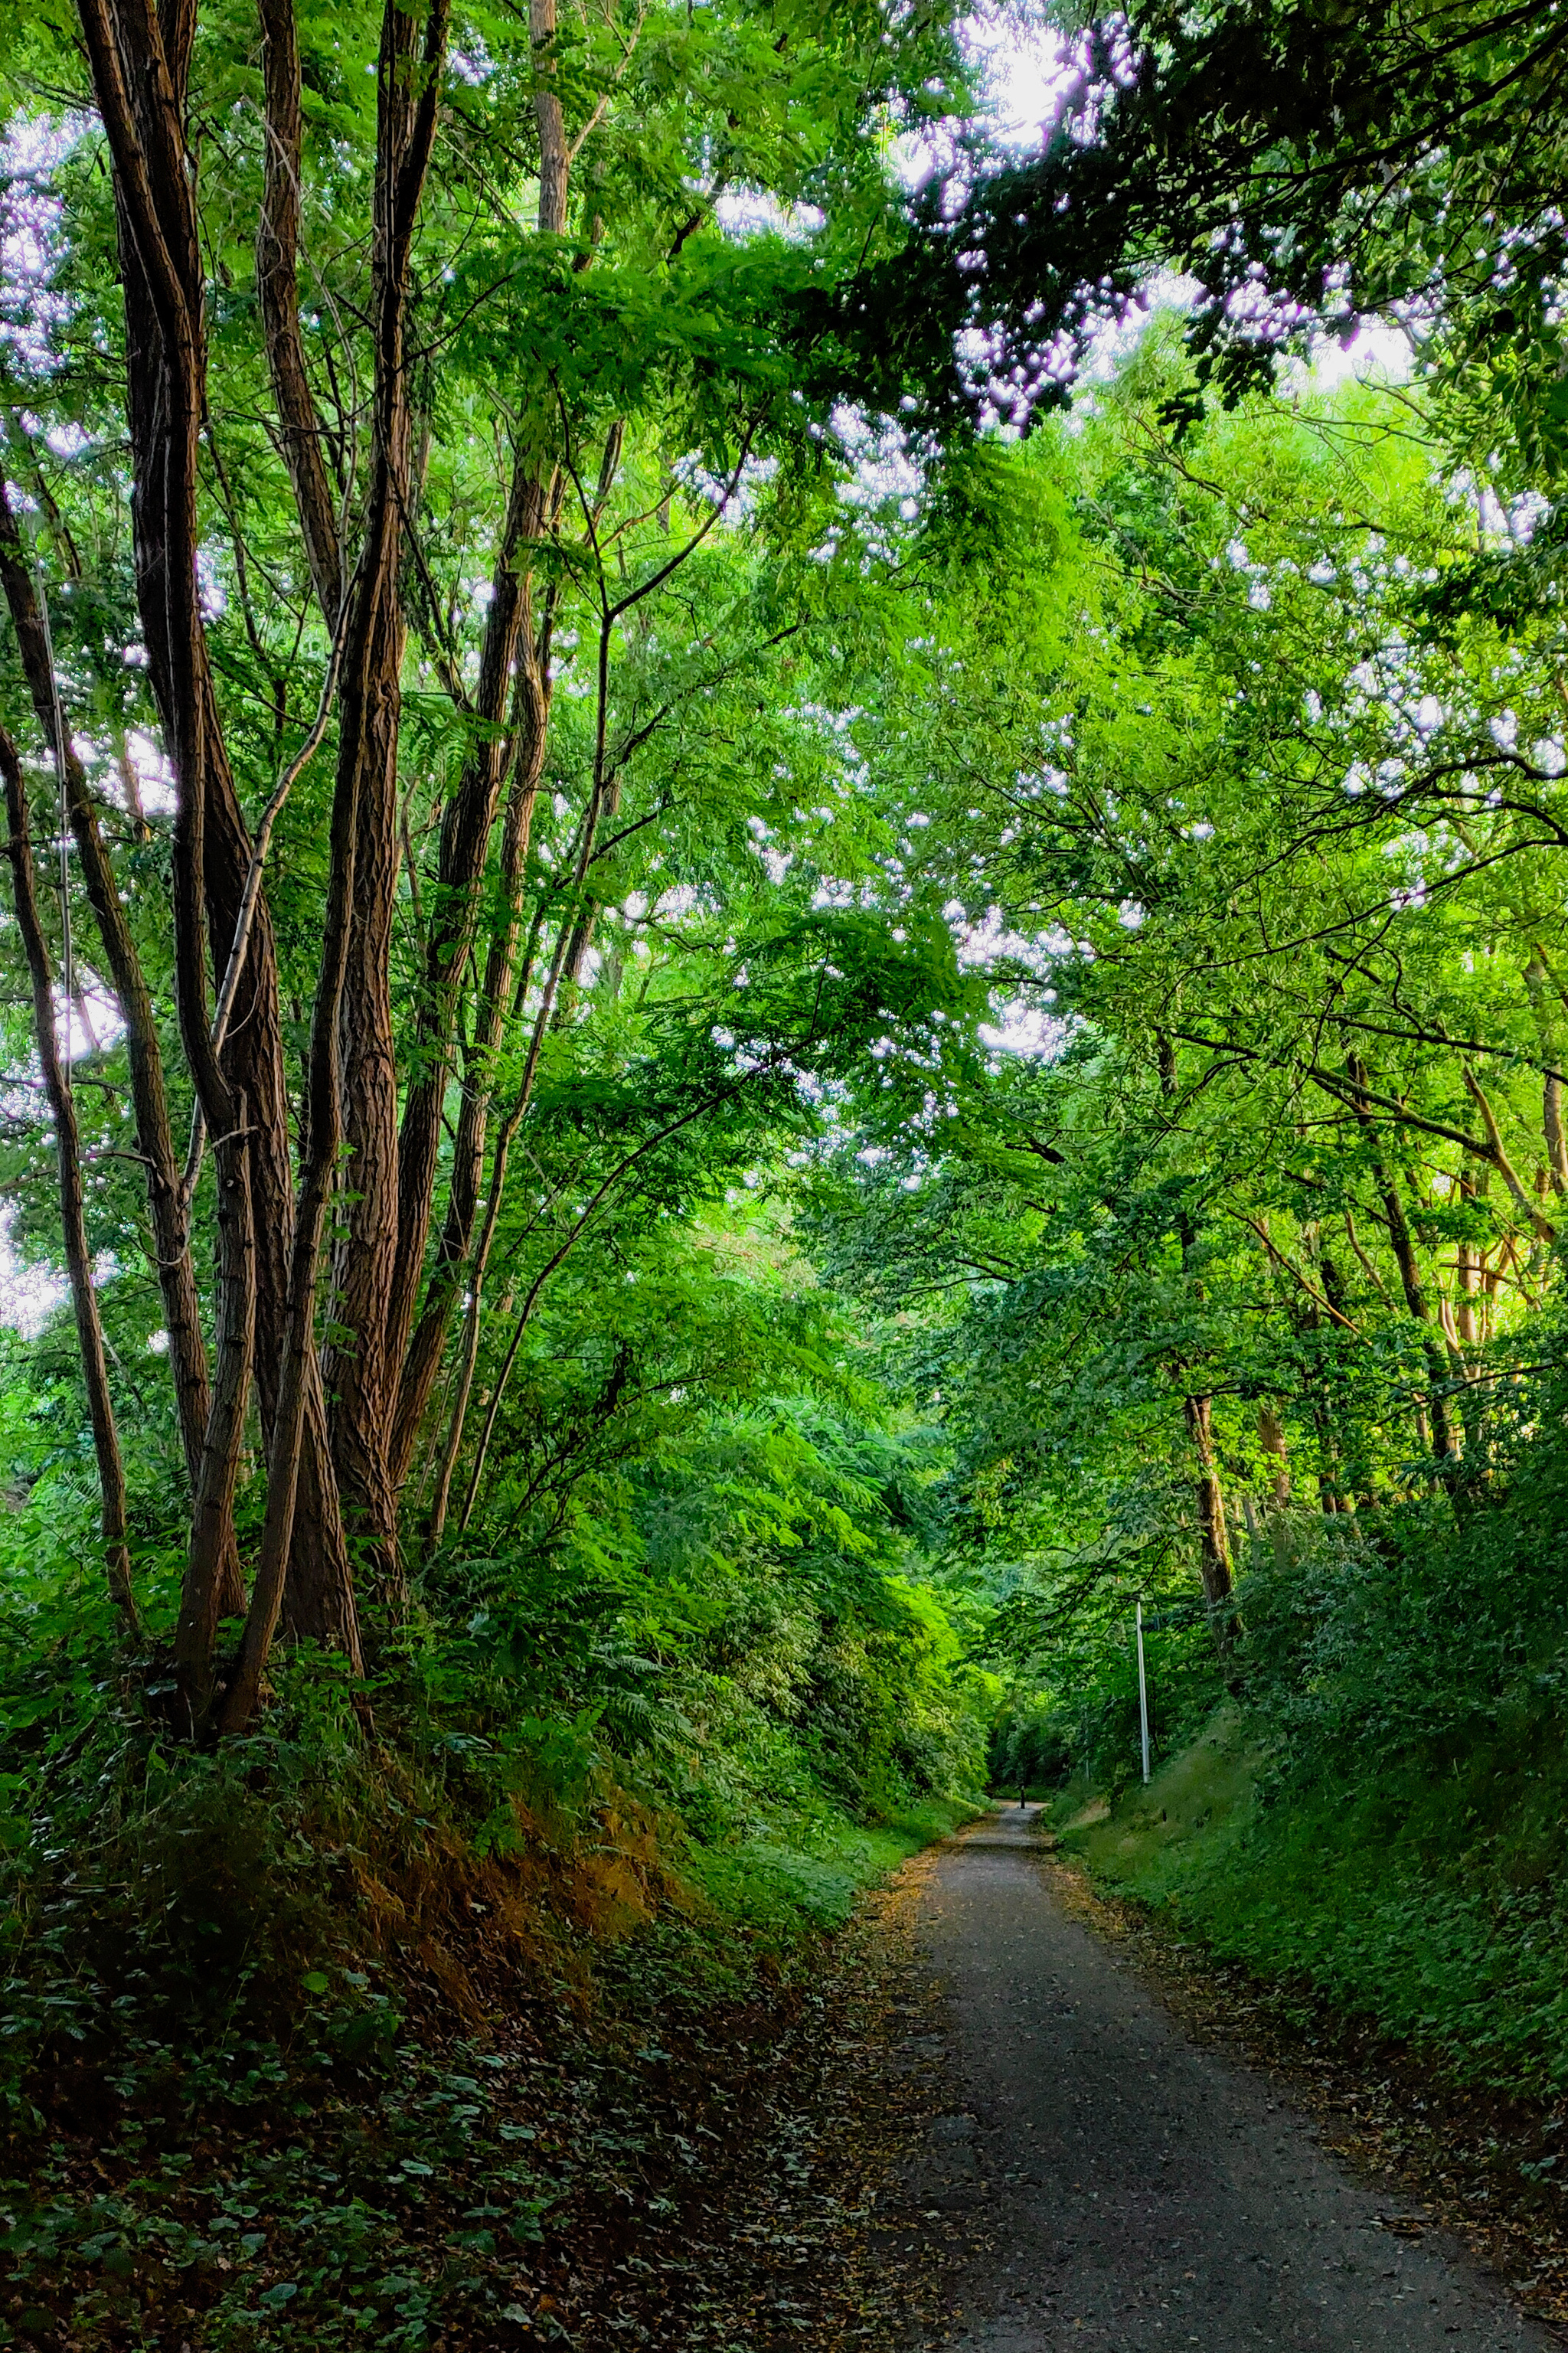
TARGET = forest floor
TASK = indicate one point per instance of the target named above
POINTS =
(711, 2176)
(1138, 2150)
(1016, 2116)
(1000, 2113)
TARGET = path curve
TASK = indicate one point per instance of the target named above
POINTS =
(1135, 2193)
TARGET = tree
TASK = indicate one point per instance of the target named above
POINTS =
(1268, 828)
(1304, 164)
(494, 374)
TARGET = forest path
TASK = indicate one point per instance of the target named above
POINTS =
(1134, 2191)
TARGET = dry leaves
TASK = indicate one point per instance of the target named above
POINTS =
(1484, 2165)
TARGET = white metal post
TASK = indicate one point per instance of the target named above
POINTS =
(1142, 1694)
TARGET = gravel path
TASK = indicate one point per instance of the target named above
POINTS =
(1135, 2192)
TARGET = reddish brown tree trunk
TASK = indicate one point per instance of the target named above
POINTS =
(422, 1358)
(278, 294)
(297, 1364)
(139, 63)
(204, 1599)
(361, 1374)
(466, 829)
(510, 646)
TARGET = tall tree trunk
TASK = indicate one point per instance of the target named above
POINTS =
(1271, 1438)
(278, 294)
(204, 1599)
(544, 1018)
(295, 1386)
(1470, 1310)
(317, 1605)
(466, 829)
(154, 1136)
(554, 155)
(73, 1208)
(1214, 1542)
(361, 1375)
(422, 1357)
(1535, 981)
(511, 645)
(1329, 1481)
(1213, 1539)
(1445, 1448)
(139, 80)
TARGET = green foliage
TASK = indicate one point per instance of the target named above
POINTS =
(1384, 1815)
(1025, 1081)
(1255, 1217)
(613, 1778)
(1306, 165)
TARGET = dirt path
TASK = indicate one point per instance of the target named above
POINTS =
(1125, 2189)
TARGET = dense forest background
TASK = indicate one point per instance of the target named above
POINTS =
(786, 909)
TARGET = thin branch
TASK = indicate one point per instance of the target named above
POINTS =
(1541, 1226)
(252, 894)
(1294, 1273)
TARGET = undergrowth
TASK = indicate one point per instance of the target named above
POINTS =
(1382, 1812)
(408, 2035)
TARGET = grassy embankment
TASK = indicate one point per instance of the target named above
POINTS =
(309, 2045)
(1429, 1903)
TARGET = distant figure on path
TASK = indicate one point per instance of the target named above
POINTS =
(1021, 1796)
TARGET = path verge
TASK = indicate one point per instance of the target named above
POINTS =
(1485, 2166)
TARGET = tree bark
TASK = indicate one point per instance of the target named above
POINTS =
(511, 644)
(361, 1374)
(543, 1022)
(139, 82)
(1214, 1537)
(73, 1209)
(154, 1135)
(1470, 1313)
(1551, 1084)
(554, 155)
(140, 62)
(297, 1366)
(1214, 1542)
(1310, 1319)
(204, 1598)
(1271, 1438)
(1443, 1447)
(422, 1356)
(278, 294)
(466, 827)
(1495, 1152)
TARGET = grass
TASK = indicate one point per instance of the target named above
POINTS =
(782, 1889)
(1198, 1803)
(1432, 1906)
